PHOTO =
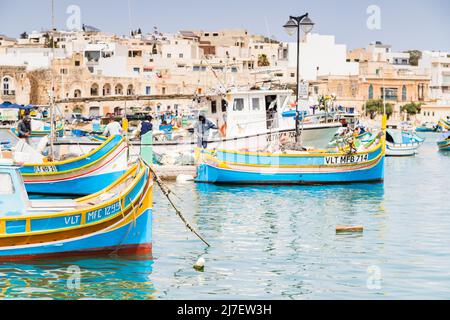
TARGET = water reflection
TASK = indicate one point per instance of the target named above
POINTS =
(99, 278)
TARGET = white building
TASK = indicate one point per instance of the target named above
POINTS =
(32, 58)
(319, 56)
(437, 64)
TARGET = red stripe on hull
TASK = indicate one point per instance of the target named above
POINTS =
(127, 250)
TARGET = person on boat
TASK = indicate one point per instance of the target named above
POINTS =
(146, 126)
(24, 128)
(202, 130)
(113, 128)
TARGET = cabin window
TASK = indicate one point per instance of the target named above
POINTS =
(213, 107)
(238, 104)
(255, 104)
(224, 106)
(6, 184)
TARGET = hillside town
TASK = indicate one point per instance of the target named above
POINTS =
(95, 73)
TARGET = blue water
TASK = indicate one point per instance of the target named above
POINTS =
(278, 243)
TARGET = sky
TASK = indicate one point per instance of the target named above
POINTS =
(405, 24)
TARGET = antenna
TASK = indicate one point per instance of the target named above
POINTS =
(129, 16)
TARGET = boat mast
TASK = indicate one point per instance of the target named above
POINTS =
(52, 94)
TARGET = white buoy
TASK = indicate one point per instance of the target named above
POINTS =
(200, 264)
(183, 178)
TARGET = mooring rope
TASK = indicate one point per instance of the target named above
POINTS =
(167, 191)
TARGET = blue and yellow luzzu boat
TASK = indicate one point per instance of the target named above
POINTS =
(316, 167)
(118, 219)
(79, 176)
(443, 125)
(444, 142)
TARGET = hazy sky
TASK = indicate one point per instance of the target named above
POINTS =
(406, 24)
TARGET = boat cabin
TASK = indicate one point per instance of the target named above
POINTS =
(249, 112)
(13, 196)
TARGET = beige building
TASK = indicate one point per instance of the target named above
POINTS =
(14, 85)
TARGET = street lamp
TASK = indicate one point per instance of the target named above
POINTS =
(294, 24)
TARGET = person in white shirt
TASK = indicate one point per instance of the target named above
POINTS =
(113, 129)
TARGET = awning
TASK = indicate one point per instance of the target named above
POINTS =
(8, 105)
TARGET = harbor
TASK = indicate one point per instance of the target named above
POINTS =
(221, 165)
(264, 248)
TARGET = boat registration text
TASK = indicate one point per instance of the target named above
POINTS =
(45, 169)
(348, 159)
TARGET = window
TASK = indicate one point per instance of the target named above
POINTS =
(77, 93)
(370, 92)
(6, 184)
(215, 34)
(94, 90)
(63, 71)
(292, 75)
(224, 106)
(404, 93)
(180, 56)
(107, 89)
(169, 55)
(6, 85)
(130, 90)
(137, 70)
(148, 90)
(213, 107)
(163, 90)
(77, 63)
(118, 89)
(238, 104)
(255, 104)
(196, 68)
(234, 69)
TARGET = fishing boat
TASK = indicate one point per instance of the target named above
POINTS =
(117, 219)
(81, 175)
(444, 142)
(427, 127)
(443, 125)
(401, 143)
(295, 167)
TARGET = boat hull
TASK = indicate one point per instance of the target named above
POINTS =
(229, 167)
(401, 150)
(119, 224)
(87, 175)
(211, 174)
(444, 145)
(135, 237)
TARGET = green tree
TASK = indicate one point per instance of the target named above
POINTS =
(375, 107)
(263, 61)
(412, 108)
(416, 55)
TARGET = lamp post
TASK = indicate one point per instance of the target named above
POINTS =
(294, 24)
